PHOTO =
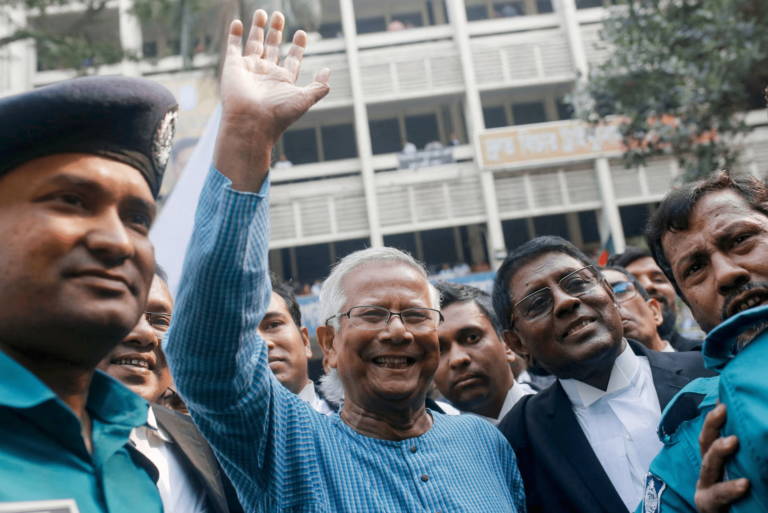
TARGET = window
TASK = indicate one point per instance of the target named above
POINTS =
(369, 25)
(385, 136)
(149, 49)
(586, 4)
(527, 113)
(552, 225)
(589, 229)
(439, 247)
(411, 19)
(544, 6)
(422, 129)
(313, 262)
(345, 247)
(633, 219)
(515, 233)
(477, 12)
(339, 142)
(564, 110)
(330, 30)
(300, 146)
(509, 9)
(495, 117)
(402, 241)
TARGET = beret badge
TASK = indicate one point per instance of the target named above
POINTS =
(163, 139)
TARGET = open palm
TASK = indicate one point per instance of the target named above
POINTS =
(259, 92)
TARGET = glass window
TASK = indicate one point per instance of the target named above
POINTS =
(313, 262)
(477, 12)
(544, 6)
(527, 113)
(495, 117)
(564, 110)
(508, 9)
(331, 30)
(515, 233)
(402, 241)
(590, 232)
(385, 136)
(410, 19)
(633, 219)
(339, 142)
(586, 4)
(439, 247)
(369, 25)
(345, 247)
(422, 129)
(300, 146)
(552, 225)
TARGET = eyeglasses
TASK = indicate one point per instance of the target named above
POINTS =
(160, 322)
(376, 317)
(540, 303)
(624, 291)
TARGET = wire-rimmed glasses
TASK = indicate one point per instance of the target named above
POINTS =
(376, 317)
(540, 303)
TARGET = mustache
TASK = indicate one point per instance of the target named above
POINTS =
(732, 296)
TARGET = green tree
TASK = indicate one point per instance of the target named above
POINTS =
(699, 63)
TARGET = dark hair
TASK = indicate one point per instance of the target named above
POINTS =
(502, 296)
(635, 282)
(630, 255)
(284, 291)
(458, 293)
(160, 272)
(672, 215)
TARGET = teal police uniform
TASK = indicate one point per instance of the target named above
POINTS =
(742, 386)
(43, 455)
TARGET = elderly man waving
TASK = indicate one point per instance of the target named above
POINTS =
(385, 451)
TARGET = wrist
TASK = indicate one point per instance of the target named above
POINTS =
(243, 156)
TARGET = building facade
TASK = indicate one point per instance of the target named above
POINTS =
(440, 75)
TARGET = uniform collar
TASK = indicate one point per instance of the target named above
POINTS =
(623, 375)
(308, 393)
(514, 394)
(718, 347)
(108, 399)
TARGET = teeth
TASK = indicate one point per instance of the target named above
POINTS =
(391, 359)
(137, 363)
(577, 327)
(749, 303)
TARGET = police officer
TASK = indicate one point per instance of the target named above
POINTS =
(82, 162)
(711, 239)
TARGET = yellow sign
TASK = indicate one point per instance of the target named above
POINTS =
(561, 141)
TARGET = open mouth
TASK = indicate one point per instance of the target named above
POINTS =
(577, 328)
(754, 300)
(393, 362)
(132, 363)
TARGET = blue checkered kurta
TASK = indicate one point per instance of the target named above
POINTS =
(280, 454)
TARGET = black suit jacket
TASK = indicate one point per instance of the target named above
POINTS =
(560, 471)
(682, 343)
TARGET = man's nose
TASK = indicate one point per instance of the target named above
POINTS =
(395, 331)
(458, 357)
(729, 275)
(564, 303)
(143, 334)
(109, 239)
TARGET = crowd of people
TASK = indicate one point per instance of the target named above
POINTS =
(566, 389)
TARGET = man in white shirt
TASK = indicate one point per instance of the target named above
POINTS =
(139, 363)
(585, 443)
(474, 373)
(288, 344)
(640, 313)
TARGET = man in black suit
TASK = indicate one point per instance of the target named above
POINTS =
(641, 264)
(585, 443)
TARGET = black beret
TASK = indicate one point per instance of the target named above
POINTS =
(131, 120)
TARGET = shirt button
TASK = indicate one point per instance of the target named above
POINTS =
(425, 478)
(414, 449)
(628, 437)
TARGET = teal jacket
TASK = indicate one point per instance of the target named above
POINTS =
(743, 387)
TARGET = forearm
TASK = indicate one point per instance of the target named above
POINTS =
(242, 154)
(224, 293)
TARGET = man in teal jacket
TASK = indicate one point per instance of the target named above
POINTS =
(711, 239)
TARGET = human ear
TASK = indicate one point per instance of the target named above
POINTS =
(658, 318)
(305, 340)
(325, 337)
(514, 344)
(511, 356)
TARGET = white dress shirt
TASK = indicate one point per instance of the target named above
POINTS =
(620, 423)
(308, 395)
(180, 492)
(668, 348)
(514, 394)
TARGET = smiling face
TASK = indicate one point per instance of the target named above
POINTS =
(653, 280)
(720, 262)
(474, 372)
(580, 336)
(77, 260)
(288, 345)
(639, 318)
(138, 362)
(389, 368)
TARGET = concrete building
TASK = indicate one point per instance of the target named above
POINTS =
(484, 78)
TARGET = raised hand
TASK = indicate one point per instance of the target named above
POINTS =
(260, 99)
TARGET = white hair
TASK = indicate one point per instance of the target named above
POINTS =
(333, 297)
